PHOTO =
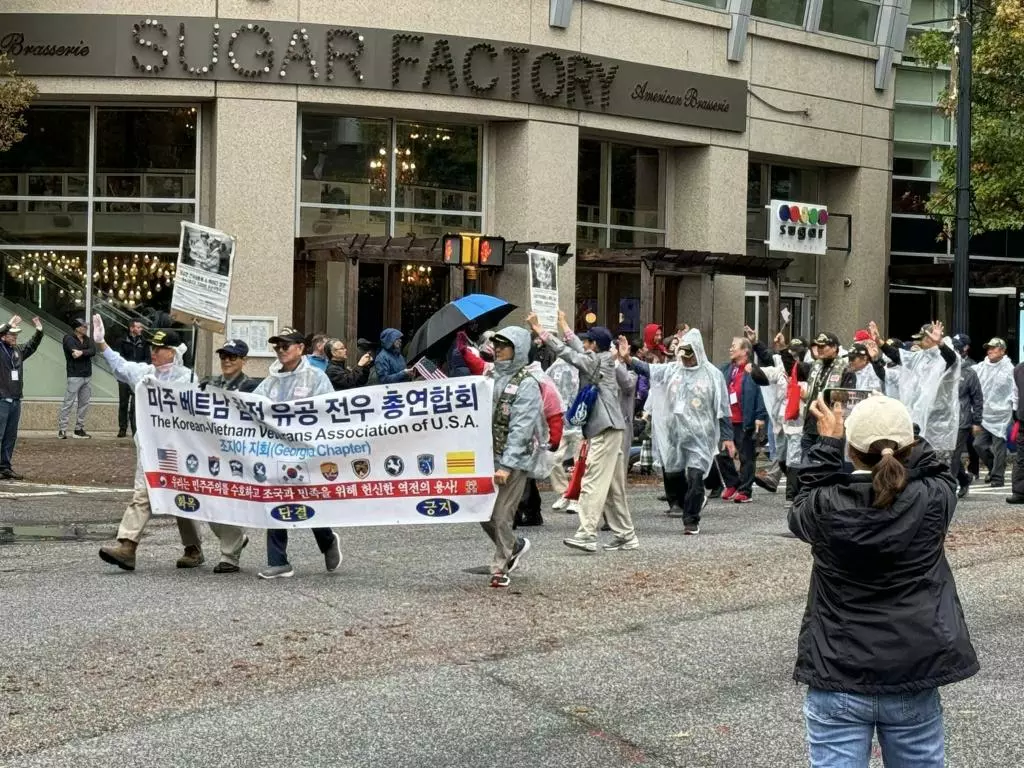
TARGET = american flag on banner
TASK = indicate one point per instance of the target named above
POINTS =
(167, 459)
(427, 370)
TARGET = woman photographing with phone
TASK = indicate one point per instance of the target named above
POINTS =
(883, 627)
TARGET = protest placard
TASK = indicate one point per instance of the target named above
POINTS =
(544, 287)
(202, 281)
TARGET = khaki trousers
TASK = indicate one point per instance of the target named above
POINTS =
(137, 515)
(499, 527)
(605, 481)
(559, 478)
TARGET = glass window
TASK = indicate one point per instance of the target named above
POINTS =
(636, 187)
(786, 11)
(146, 156)
(849, 18)
(56, 143)
(797, 184)
(438, 167)
(910, 196)
(140, 225)
(141, 141)
(919, 167)
(345, 160)
(921, 85)
(620, 196)
(351, 169)
(917, 235)
(590, 190)
(922, 124)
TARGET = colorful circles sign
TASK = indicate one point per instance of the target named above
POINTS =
(795, 214)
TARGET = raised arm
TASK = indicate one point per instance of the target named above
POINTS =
(123, 370)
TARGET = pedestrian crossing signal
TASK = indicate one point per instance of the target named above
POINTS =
(471, 250)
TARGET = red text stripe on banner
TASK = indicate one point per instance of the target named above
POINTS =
(370, 489)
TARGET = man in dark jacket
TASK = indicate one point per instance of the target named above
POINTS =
(135, 349)
(232, 364)
(971, 402)
(749, 416)
(12, 382)
(79, 351)
(342, 377)
(883, 627)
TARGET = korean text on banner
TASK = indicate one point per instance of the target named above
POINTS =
(544, 287)
(202, 281)
(386, 455)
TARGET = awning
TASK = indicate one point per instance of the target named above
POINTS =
(671, 260)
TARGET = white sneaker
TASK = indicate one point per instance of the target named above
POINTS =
(561, 504)
(573, 508)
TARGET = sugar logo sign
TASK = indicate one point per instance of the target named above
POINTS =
(797, 227)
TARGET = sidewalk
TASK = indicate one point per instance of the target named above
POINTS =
(105, 460)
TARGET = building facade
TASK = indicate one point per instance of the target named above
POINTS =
(921, 253)
(604, 127)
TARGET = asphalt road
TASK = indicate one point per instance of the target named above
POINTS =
(676, 654)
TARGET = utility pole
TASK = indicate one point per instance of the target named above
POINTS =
(961, 258)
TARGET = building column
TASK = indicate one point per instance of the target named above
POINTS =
(254, 196)
(708, 212)
(533, 188)
(852, 288)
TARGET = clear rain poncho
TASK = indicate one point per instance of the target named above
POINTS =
(304, 380)
(687, 406)
(931, 392)
(567, 382)
(999, 395)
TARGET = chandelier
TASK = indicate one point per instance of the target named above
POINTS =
(417, 276)
(127, 279)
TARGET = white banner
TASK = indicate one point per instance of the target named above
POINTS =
(544, 287)
(385, 455)
(797, 227)
(202, 281)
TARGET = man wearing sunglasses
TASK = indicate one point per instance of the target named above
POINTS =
(293, 377)
(232, 362)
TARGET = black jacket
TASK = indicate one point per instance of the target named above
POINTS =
(971, 399)
(241, 383)
(78, 366)
(883, 615)
(134, 349)
(13, 358)
(348, 378)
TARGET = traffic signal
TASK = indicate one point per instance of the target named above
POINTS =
(472, 250)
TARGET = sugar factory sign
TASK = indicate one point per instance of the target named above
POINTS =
(335, 56)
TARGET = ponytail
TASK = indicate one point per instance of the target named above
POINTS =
(888, 471)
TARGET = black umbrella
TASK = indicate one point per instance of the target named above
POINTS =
(436, 335)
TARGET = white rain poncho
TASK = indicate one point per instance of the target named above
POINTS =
(868, 379)
(131, 374)
(931, 392)
(687, 406)
(999, 395)
(567, 382)
(304, 381)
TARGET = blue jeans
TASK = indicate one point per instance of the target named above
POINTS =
(10, 415)
(840, 727)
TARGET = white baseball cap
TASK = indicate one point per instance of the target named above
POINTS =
(879, 418)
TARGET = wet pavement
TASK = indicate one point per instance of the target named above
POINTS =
(676, 654)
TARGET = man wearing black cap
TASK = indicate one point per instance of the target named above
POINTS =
(78, 353)
(135, 349)
(605, 477)
(232, 362)
(167, 367)
(828, 371)
(293, 377)
(12, 381)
